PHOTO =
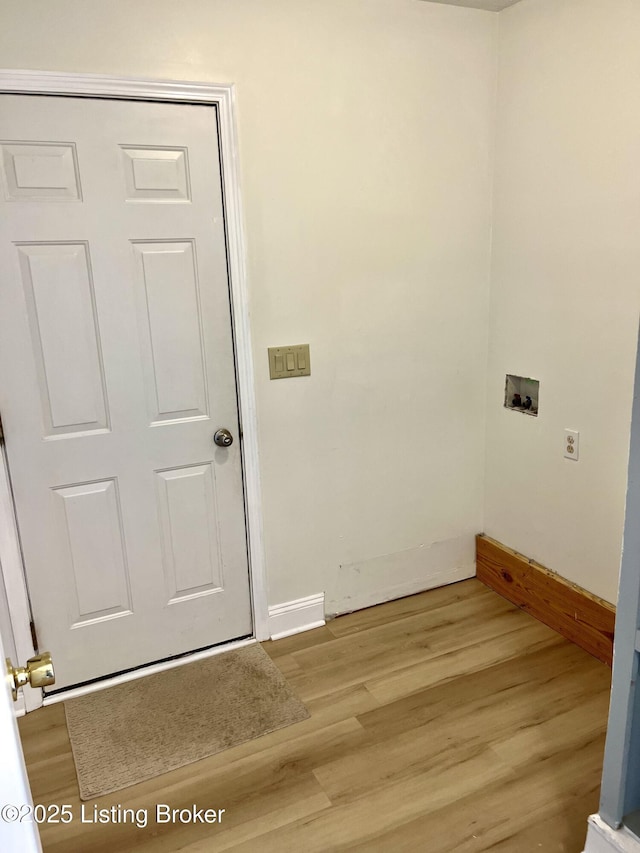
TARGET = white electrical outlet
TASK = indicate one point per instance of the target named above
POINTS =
(571, 444)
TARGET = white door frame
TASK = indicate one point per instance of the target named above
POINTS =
(14, 783)
(222, 96)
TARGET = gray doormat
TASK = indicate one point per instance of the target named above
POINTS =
(135, 731)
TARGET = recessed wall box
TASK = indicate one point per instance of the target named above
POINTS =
(521, 394)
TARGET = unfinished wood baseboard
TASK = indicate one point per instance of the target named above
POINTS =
(570, 610)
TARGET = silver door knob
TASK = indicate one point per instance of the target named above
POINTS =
(223, 438)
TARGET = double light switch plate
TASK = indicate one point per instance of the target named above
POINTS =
(285, 362)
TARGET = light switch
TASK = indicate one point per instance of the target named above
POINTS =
(287, 362)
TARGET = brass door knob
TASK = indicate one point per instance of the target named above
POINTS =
(38, 673)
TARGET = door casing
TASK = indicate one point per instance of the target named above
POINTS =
(222, 96)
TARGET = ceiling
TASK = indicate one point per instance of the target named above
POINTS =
(489, 5)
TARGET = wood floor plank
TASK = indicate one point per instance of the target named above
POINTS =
(529, 635)
(462, 723)
(392, 611)
(248, 788)
(537, 675)
(231, 838)
(386, 649)
(287, 665)
(545, 737)
(513, 815)
(448, 722)
(342, 826)
(276, 649)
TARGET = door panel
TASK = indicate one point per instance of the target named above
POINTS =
(95, 554)
(171, 327)
(156, 173)
(60, 302)
(46, 172)
(116, 368)
(190, 538)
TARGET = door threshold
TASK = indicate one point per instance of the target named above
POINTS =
(143, 671)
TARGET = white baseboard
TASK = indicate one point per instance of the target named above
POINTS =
(602, 839)
(293, 617)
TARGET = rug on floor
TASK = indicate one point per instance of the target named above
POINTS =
(140, 729)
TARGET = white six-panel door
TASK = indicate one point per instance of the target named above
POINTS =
(116, 369)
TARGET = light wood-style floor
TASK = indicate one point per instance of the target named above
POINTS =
(446, 722)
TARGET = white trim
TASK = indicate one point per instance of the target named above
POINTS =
(293, 617)
(15, 834)
(14, 581)
(96, 85)
(143, 672)
(244, 363)
(19, 706)
(602, 839)
(19, 81)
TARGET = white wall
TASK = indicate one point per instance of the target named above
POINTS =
(566, 280)
(6, 632)
(365, 133)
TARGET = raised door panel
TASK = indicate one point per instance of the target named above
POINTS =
(171, 326)
(190, 535)
(60, 302)
(156, 174)
(40, 172)
(90, 521)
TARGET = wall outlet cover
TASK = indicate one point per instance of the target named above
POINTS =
(572, 444)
